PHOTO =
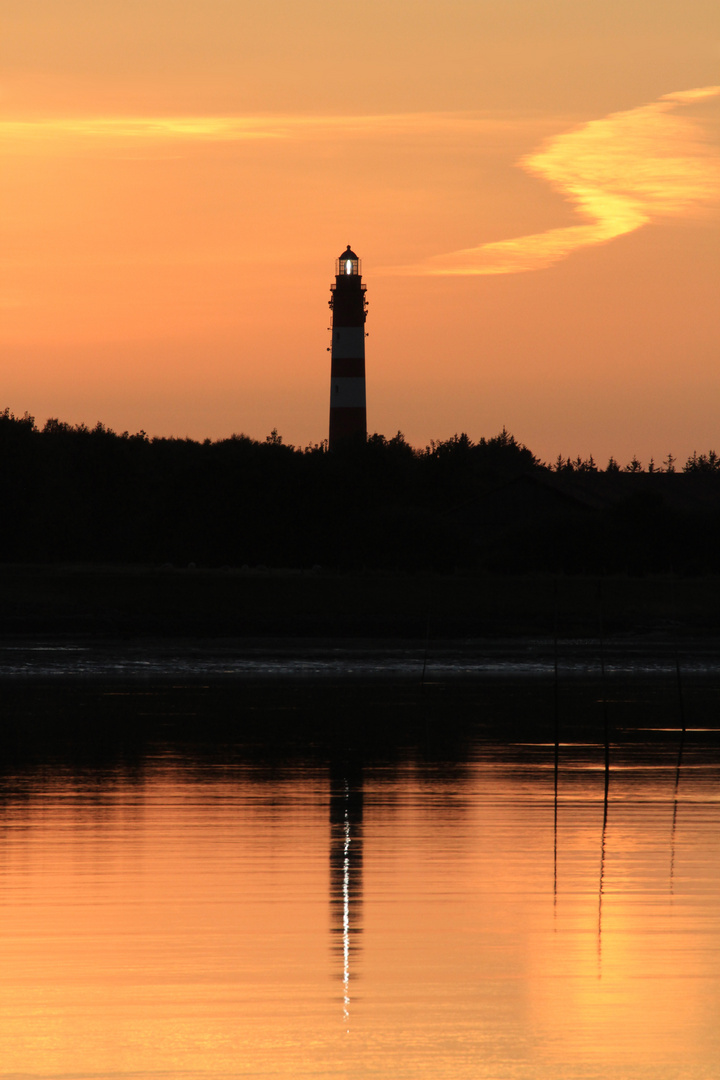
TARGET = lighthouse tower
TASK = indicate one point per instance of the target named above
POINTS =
(348, 420)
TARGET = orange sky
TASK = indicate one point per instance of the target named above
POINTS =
(532, 187)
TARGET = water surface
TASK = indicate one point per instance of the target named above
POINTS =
(337, 908)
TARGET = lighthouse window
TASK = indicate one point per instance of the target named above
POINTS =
(348, 266)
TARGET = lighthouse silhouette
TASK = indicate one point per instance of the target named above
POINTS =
(348, 417)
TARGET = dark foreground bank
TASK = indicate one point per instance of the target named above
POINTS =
(71, 494)
(135, 601)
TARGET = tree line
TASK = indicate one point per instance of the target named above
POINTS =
(709, 462)
(79, 494)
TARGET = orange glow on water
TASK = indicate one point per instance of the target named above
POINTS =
(184, 924)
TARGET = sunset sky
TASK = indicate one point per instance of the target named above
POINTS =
(533, 187)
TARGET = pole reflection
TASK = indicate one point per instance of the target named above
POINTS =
(346, 864)
(603, 838)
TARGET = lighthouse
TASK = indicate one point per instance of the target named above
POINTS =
(348, 418)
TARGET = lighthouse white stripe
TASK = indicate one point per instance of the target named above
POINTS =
(347, 393)
(348, 342)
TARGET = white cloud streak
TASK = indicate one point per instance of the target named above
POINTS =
(620, 173)
(73, 133)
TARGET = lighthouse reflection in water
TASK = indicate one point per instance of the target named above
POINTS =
(346, 858)
(469, 903)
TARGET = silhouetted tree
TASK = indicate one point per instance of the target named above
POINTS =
(75, 493)
(709, 462)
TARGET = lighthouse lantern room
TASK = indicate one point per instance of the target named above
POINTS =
(348, 417)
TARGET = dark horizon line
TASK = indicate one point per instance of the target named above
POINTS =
(706, 462)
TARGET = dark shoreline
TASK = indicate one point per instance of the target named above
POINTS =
(102, 661)
(353, 662)
(127, 602)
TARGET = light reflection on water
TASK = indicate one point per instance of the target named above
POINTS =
(505, 912)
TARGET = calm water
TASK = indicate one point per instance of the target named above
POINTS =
(245, 899)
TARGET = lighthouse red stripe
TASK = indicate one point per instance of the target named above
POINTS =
(346, 425)
(344, 367)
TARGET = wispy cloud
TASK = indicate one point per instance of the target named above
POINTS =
(66, 134)
(620, 173)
